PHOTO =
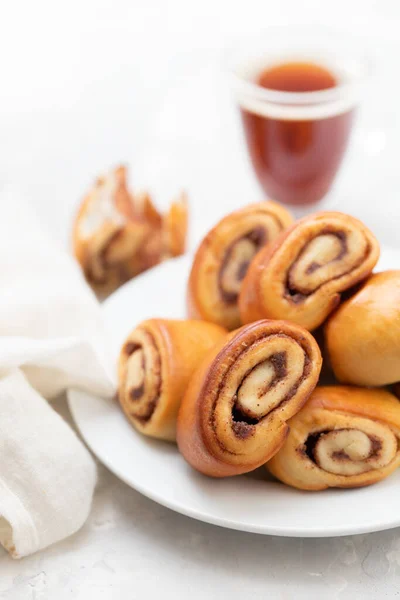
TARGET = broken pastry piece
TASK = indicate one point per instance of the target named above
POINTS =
(118, 235)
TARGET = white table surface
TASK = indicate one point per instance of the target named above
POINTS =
(88, 84)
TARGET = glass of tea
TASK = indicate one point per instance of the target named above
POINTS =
(298, 90)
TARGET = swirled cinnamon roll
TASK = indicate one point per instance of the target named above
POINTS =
(155, 365)
(118, 235)
(343, 437)
(300, 277)
(233, 416)
(362, 336)
(223, 257)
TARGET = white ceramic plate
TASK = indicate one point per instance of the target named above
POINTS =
(249, 502)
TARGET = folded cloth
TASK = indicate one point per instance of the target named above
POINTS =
(52, 338)
(50, 321)
(47, 476)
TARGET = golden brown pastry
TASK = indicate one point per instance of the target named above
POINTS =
(343, 437)
(118, 235)
(155, 365)
(175, 228)
(363, 336)
(223, 257)
(233, 416)
(300, 276)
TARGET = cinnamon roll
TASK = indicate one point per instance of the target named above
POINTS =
(223, 257)
(300, 277)
(155, 365)
(233, 416)
(343, 437)
(362, 336)
(118, 235)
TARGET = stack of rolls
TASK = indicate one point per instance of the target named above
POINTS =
(238, 385)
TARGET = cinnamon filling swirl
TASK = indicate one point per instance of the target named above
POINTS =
(328, 256)
(143, 376)
(250, 401)
(236, 261)
(102, 259)
(350, 452)
(266, 385)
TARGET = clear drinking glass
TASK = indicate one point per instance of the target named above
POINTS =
(297, 139)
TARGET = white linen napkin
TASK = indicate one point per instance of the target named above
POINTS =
(47, 476)
(51, 339)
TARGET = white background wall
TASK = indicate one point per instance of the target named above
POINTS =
(86, 84)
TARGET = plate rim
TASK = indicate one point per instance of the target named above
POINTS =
(220, 521)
